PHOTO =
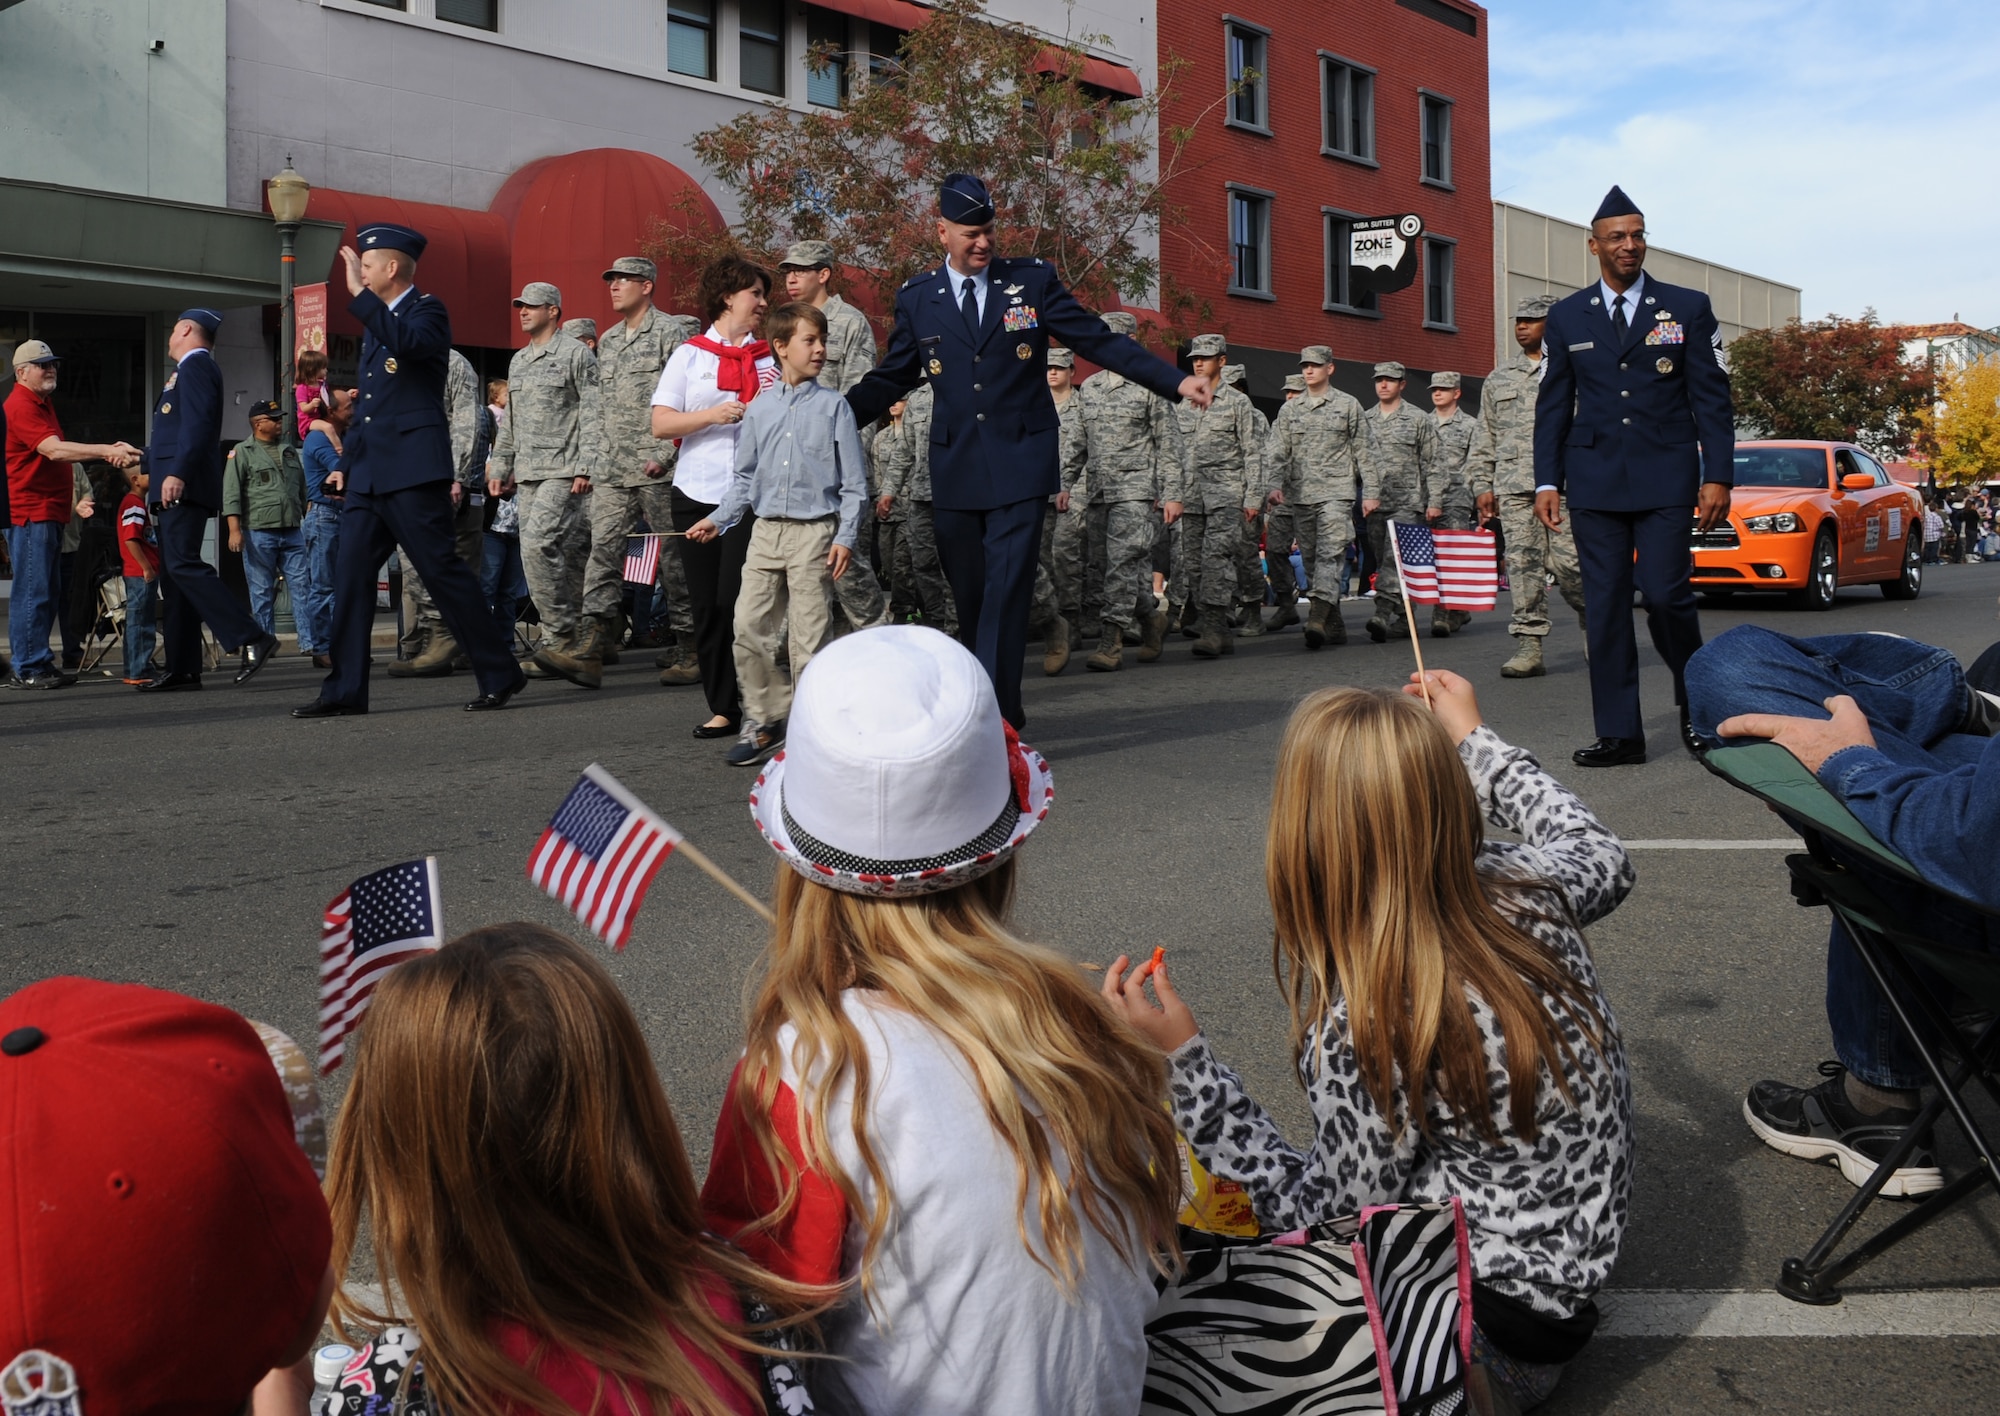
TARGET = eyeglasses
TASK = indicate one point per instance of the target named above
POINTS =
(1623, 238)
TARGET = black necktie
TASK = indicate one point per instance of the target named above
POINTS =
(969, 306)
(1618, 316)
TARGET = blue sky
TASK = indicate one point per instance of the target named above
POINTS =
(1849, 147)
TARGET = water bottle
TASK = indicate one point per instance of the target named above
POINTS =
(328, 1363)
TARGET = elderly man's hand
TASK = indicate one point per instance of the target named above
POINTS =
(1811, 740)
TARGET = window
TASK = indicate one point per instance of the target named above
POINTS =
(479, 14)
(826, 30)
(760, 43)
(1250, 243)
(885, 43)
(1440, 307)
(1437, 140)
(1339, 280)
(691, 37)
(1347, 92)
(1247, 46)
(389, 4)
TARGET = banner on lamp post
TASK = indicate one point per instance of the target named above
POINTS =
(309, 318)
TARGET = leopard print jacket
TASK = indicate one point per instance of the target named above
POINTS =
(1545, 1216)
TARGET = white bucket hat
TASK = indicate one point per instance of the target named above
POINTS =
(898, 775)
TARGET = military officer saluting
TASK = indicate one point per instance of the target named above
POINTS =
(397, 479)
(977, 330)
(1635, 427)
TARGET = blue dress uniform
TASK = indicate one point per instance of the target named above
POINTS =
(1628, 428)
(186, 442)
(994, 439)
(398, 467)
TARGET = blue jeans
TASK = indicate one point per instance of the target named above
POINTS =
(264, 552)
(142, 616)
(1914, 696)
(312, 602)
(31, 608)
(503, 579)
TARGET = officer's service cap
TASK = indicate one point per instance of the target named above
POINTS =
(33, 351)
(580, 328)
(637, 267)
(963, 198)
(387, 236)
(538, 292)
(1062, 358)
(1445, 379)
(209, 320)
(1534, 307)
(266, 408)
(1121, 322)
(1391, 370)
(1234, 374)
(1615, 203)
(1208, 346)
(1295, 383)
(1316, 354)
(808, 255)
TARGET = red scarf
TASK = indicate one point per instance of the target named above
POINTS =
(738, 374)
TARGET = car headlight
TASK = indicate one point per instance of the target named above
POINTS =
(1783, 521)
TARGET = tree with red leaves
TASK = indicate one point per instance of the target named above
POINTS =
(1833, 380)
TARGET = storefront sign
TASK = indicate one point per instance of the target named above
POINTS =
(1382, 254)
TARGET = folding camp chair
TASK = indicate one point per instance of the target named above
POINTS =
(1897, 959)
(107, 621)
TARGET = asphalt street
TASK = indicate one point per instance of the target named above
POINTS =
(191, 841)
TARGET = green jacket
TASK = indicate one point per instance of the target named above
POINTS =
(265, 484)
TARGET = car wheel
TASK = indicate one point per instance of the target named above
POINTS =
(1822, 573)
(1910, 583)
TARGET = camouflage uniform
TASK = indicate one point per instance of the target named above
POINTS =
(892, 532)
(423, 626)
(1250, 548)
(1455, 437)
(1225, 479)
(1399, 468)
(1057, 574)
(1502, 462)
(1281, 525)
(582, 330)
(850, 354)
(1320, 443)
(554, 432)
(907, 479)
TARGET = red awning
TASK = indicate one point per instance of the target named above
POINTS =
(466, 263)
(897, 14)
(1098, 73)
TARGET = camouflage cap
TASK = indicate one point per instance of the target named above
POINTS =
(638, 267)
(1208, 346)
(1315, 354)
(1445, 379)
(1062, 358)
(1235, 374)
(1295, 383)
(807, 255)
(538, 292)
(1535, 307)
(1390, 369)
(580, 328)
(1121, 322)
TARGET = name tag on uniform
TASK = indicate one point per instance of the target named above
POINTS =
(1669, 333)
(1587, 344)
(1020, 317)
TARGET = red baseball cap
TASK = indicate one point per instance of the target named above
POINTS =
(162, 1238)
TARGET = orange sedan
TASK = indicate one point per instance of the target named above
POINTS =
(1808, 518)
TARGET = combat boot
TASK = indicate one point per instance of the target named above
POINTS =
(1336, 627)
(402, 668)
(1316, 624)
(1288, 614)
(437, 660)
(1152, 636)
(1441, 625)
(680, 668)
(1213, 642)
(582, 665)
(1190, 620)
(1253, 621)
(1527, 660)
(1110, 652)
(1055, 653)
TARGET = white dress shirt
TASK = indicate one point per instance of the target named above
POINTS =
(958, 279)
(687, 385)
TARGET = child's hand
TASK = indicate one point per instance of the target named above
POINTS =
(1452, 700)
(703, 530)
(1166, 1026)
(837, 559)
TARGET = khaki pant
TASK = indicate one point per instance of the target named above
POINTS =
(784, 582)
(1532, 552)
(555, 543)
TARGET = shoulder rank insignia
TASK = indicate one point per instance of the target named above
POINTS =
(389, 365)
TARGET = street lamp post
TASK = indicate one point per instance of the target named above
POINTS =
(288, 194)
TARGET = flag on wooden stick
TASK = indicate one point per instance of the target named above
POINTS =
(376, 923)
(1456, 569)
(642, 559)
(600, 853)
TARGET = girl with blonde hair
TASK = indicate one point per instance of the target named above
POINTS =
(1451, 1035)
(928, 1105)
(509, 1150)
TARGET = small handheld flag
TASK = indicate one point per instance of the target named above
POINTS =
(376, 923)
(642, 559)
(1456, 569)
(600, 853)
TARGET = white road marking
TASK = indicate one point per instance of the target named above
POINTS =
(1673, 843)
(1669, 1312)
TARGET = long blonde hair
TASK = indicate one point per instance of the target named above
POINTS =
(510, 1149)
(1060, 1077)
(1370, 863)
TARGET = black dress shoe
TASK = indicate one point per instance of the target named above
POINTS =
(320, 708)
(493, 702)
(1688, 739)
(257, 653)
(1611, 752)
(171, 683)
(726, 730)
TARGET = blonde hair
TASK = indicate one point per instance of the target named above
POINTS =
(508, 1144)
(1371, 867)
(1061, 1078)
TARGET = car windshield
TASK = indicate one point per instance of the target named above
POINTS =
(1780, 467)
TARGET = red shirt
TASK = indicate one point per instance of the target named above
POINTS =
(135, 536)
(39, 488)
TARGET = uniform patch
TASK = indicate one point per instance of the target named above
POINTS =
(389, 365)
(1587, 344)
(1020, 317)
(39, 1383)
(1024, 351)
(1665, 366)
(1669, 333)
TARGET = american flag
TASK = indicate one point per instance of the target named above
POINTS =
(642, 559)
(1456, 569)
(373, 925)
(600, 854)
